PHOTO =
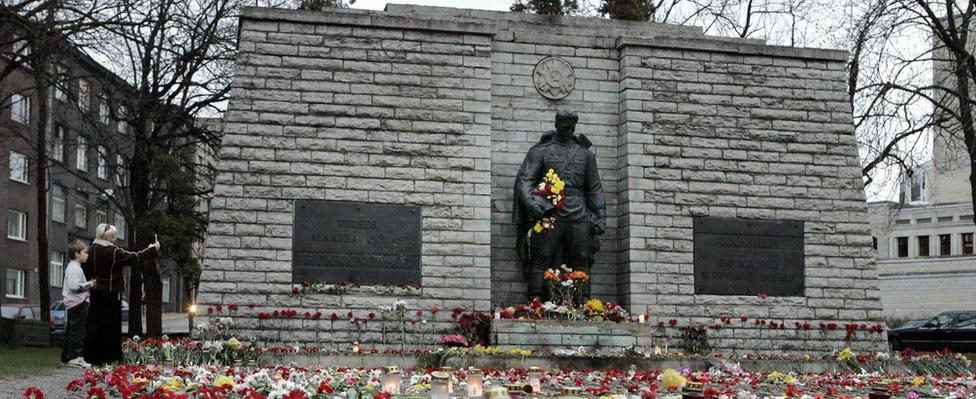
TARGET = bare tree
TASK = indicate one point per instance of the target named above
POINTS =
(37, 33)
(951, 24)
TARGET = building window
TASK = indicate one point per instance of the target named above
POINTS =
(18, 167)
(57, 144)
(102, 170)
(61, 86)
(57, 269)
(103, 111)
(20, 108)
(81, 216)
(119, 170)
(120, 225)
(923, 245)
(166, 289)
(57, 203)
(81, 155)
(902, 247)
(945, 244)
(967, 243)
(122, 125)
(84, 95)
(100, 217)
(15, 283)
(16, 225)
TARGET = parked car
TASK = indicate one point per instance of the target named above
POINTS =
(955, 330)
(20, 311)
(59, 317)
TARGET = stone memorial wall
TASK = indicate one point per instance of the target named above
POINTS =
(435, 108)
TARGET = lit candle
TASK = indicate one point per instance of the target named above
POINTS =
(535, 379)
(355, 347)
(657, 350)
(391, 379)
(438, 385)
(475, 383)
(450, 378)
(640, 318)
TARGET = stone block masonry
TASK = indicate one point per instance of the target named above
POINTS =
(437, 106)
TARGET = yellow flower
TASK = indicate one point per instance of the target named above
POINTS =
(538, 227)
(594, 305)
(789, 380)
(673, 380)
(174, 384)
(846, 355)
(776, 375)
(918, 380)
(224, 380)
(233, 343)
(520, 352)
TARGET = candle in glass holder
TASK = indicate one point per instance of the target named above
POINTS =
(476, 383)
(535, 379)
(498, 393)
(391, 379)
(355, 347)
(450, 378)
(693, 390)
(438, 385)
(879, 391)
(571, 393)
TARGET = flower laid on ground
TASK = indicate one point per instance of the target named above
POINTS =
(316, 382)
(454, 340)
(33, 393)
(558, 311)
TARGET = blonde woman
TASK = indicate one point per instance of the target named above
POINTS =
(106, 263)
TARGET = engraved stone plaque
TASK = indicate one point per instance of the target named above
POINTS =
(365, 243)
(748, 256)
(554, 78)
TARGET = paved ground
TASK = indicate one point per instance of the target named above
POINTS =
(52, 384)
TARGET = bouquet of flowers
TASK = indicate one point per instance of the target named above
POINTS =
(566, 285)
(550, 189)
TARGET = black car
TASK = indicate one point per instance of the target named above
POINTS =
(955, 330)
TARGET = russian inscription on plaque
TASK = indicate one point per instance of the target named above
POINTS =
(748, 256)
(366, 243)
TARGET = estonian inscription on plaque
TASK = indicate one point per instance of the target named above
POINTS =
(748, 256)
(366, 243)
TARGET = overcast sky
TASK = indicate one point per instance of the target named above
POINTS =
(479, 4)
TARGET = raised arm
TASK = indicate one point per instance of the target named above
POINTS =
(125, 258)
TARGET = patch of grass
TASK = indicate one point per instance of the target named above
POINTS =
(28, 361)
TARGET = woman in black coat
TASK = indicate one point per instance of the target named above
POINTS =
(106, 263)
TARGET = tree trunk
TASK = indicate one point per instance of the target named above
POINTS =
(40, 186)
(966, 123)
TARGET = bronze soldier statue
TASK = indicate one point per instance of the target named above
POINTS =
(573, 240)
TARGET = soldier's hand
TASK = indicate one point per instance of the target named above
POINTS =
(600, 226)
(535, 211)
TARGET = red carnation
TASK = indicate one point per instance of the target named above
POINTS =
(672, 322)
(33, 393)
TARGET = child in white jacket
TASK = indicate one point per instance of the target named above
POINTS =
(75, 296)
